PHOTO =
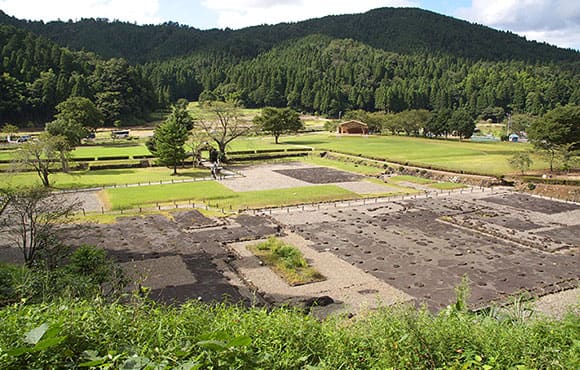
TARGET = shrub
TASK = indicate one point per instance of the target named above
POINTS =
(91, 262)
(67, 333)
(87, 272)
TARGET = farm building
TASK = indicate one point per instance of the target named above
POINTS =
(353, 127)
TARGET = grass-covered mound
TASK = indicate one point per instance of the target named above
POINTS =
(71, 333)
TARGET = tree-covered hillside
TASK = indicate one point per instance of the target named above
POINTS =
(399, 30)
(318, 73)
(37, 74)
(386, 59)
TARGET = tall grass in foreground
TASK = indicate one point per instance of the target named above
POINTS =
(72, 333)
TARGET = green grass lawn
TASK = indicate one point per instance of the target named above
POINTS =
(129, 149)
(447, 186)
(6, 155)
(483, 158)
(88, 179)
(344, 166)
(412, 179)
(217, 195)
(258, 143)
(98, 151)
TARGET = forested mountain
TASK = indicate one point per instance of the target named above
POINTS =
(325, 75)
(399, 30)
(386, 59)
(37, 74)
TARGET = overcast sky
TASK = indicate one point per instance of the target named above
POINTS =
(554, 21)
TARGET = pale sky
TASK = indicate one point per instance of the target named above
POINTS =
(553, 21)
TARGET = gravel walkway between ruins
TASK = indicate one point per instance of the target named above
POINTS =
(263, 177)
(266, 177)
(351, 288)
(89, 200)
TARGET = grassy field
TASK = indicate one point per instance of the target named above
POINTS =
(412, 179)
(217, 195)
(89, 179)
(110, 151)
(447, 186)
(257, 143)
(483, 158)
(344, 166)
(96, 151)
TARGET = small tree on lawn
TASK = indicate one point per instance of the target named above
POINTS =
(9, 130)
(521, 161)
(31, 219)
(278, 121)
(170, 137)
(76, 117)
(557, 133)
(40, 155)
(224, 123)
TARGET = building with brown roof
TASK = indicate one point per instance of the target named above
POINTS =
(353, 127)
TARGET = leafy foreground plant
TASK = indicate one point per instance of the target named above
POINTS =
(287, 261)
(90, 333)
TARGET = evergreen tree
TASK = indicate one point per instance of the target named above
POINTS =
(170, 137)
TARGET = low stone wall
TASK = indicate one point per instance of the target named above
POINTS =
(390, 168)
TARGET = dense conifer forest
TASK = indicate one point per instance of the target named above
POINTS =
(384, 60)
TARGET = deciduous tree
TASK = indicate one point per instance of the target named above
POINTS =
(278, 121)
(556, 132)
(461, 124)
(224, 124)
(40, 155)
(521, 161)
(82, 111)
(31, 218)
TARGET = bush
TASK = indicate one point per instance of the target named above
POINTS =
(83, 277)
(195, 335)
(330, 126)
(91, 262)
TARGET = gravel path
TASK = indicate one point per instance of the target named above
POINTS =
(89, 200)
(558, 304)
(351, 288)
(263, 177)
(279, 176)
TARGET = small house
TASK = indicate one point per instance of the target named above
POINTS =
(353, 127)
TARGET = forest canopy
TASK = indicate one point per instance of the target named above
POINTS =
(389, 60)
